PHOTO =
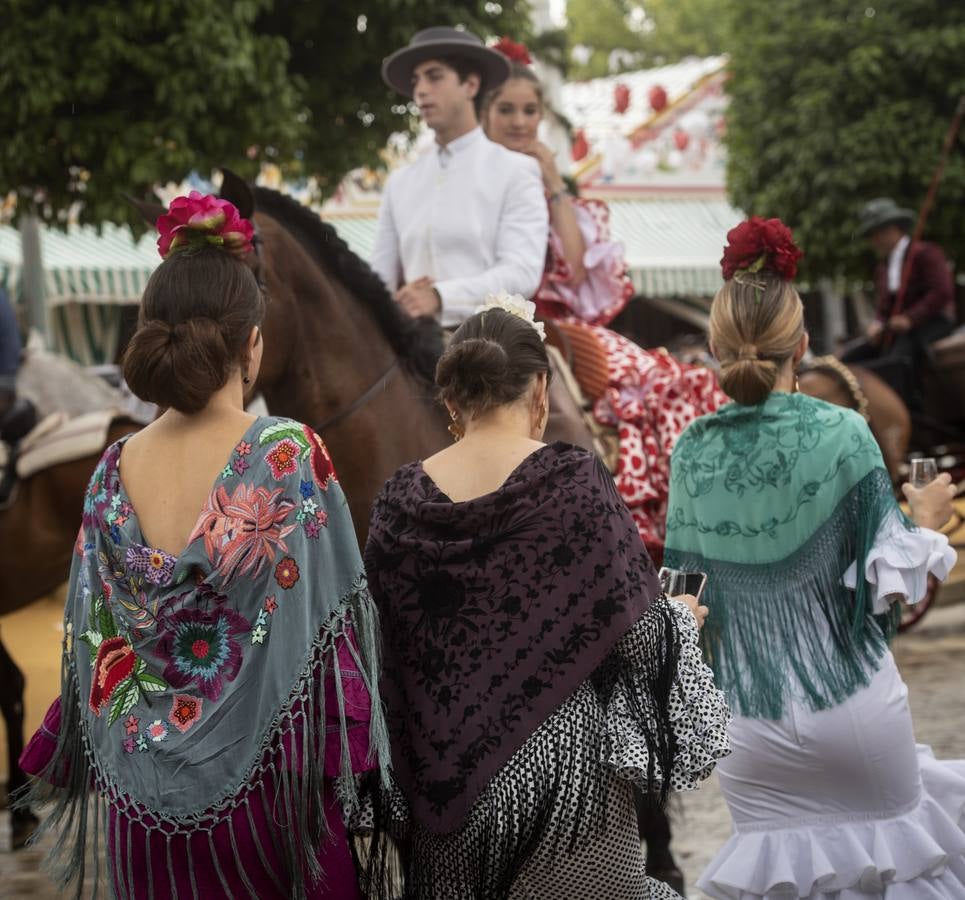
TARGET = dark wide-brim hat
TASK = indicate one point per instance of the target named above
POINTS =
(880, 212)
(435, 43)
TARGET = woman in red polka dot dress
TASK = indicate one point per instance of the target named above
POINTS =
(647, 396)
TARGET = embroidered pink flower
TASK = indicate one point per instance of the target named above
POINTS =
(185, 711)
(155, 565)
(286, 573)
(242, 530)
(131, 724)
(321, 517)
(157, 731)
(283, 458)
(243, 449)
(203, 219)
(270, 604)
(128, 745)
(115, 662)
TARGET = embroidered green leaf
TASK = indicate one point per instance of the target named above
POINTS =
(285, 430)
(151, 683)
(93, 640)
(125, 697)
(105, 620)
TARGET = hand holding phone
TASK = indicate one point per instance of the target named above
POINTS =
(674, 582)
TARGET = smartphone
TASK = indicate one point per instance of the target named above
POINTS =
(674, 582)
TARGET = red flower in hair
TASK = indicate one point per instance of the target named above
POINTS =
(203, 219)
(760, 244)
(513, 51)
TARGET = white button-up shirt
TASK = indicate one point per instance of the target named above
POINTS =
(896, 260)
(470, 216)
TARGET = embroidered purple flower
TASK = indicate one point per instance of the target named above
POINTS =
(185, 711)
(240, 465)
(155, 565)
(200, 648)
(157, 731)
(312, 528)
(129, 745)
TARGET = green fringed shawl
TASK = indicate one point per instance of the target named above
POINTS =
(774, 502)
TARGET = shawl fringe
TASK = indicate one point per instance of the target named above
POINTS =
(791, 627)
(507, 823)
(292, 758)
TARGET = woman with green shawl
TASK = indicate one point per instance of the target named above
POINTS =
(784, 502)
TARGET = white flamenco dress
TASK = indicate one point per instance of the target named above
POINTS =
(841, 804)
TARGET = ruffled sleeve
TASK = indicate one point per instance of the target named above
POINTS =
(697, 713)
(900, 561)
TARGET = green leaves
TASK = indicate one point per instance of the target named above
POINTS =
(124, 700)
(282, 430)
(831, 106)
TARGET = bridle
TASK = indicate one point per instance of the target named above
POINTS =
(380, 384)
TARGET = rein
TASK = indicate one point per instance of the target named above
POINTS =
(380, 384)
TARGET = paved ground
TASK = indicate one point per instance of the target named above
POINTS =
(932, 660)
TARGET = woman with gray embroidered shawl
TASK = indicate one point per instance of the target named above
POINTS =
(532, 668)
(218, 666)
(784, 502)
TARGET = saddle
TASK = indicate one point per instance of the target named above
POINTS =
(17, 422)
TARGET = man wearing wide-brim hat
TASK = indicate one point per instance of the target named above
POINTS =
(467, 218)
(915, 297)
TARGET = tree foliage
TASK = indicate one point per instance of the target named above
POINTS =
(834, 103)
(104, 98)
(634, 34)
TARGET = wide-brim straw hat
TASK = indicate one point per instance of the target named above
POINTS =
(880, 212)
(434, 43)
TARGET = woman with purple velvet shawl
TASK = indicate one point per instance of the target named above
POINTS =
(533, 670)
(218, 666)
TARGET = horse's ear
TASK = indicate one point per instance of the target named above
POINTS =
(235, 189)
(148, 210)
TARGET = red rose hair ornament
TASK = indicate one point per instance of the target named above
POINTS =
(201, 220)
(759, 245)
(514, 52)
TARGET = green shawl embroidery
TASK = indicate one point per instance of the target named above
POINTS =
(774, 502)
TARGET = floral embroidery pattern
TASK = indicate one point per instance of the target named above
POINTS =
(119, 676)
(242, 530)
(129, 745)
(310, 516)
(282, 459)
(132, 724)
(286, 573)
(155, 565)
(185, 711)
(200, 647)
(157, 731)
(260, 631)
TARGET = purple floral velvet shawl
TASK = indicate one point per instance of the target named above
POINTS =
(494, 611)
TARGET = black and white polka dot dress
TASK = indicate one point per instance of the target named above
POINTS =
(558, 820)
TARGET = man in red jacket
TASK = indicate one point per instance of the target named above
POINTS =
(915, 273)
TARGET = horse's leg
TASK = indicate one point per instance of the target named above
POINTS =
(11, 706)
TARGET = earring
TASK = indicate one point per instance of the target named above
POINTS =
(456, 428)
(246, 379)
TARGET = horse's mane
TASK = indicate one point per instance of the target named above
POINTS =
(417, 342)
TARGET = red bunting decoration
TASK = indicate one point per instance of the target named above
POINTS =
(658, 98)
(621, 98)
(580, 146)
(681, 139)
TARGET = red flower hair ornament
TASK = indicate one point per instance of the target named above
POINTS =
(512, 51)
(759, 245)
(200, 220)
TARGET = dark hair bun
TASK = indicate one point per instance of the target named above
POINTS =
(490, 362)
(177, 366)
(196, 316)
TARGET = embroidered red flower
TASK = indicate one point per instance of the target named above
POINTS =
(185, 711)
(132, 724)
(271, 604)
(283, 458)
(200, 219)
(115, 662)
(513, 51)
(760, 244)
(322, 467)
(286, 573)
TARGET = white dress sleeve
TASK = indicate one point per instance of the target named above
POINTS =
(900, 561)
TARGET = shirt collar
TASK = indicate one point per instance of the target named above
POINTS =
(449, 151)
(898, 251)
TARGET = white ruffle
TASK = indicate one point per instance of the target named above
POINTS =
(919, 855)
(698, 713)
(900, 561)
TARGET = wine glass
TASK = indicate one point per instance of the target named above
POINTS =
(923, 472)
